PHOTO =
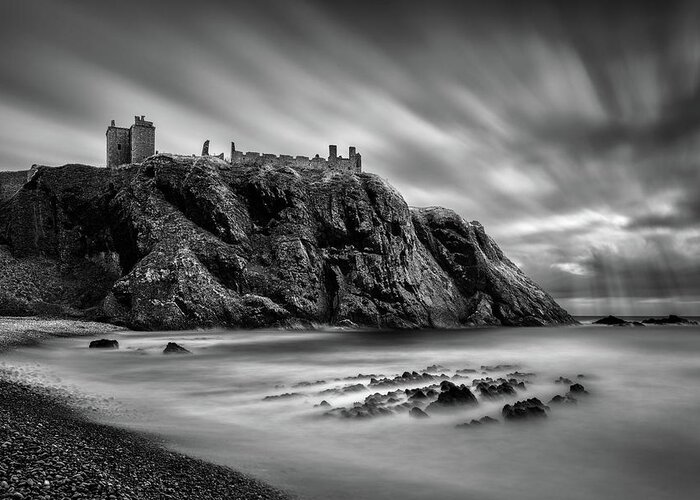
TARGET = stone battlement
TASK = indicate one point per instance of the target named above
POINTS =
(334, 162)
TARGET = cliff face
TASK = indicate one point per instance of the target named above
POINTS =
(179, 242)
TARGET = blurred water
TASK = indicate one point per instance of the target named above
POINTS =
(636, 436)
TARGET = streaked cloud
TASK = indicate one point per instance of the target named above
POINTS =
(571, 130)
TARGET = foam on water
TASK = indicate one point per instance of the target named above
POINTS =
(636, 436)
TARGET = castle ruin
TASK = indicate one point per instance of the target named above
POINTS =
(135, 144)
(130, 145)
(353, 163)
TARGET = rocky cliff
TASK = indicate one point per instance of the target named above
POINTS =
(181, 242)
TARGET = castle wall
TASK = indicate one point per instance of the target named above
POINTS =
(143, 141)
(260, 159)
(118, 146)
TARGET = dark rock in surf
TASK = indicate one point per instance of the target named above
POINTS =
(672, 319)
(418, 394)
(452, 396)
(498, 368)
(531, 408)
(286, 395)
(567, 399)
(476, 423)
(416, 412)
(493, 391)
(611, 321)
(104, 344)
(173, 348)
(577, 389)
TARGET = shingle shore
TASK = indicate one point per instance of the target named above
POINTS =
(49, 450)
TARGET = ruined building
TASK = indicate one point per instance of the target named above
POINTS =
(130, 145)
(136, 143)
(353, 163)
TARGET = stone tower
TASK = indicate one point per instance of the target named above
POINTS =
(118, 145)
(130, 145)
(143, 139)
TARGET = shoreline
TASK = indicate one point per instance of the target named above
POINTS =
(49, 449)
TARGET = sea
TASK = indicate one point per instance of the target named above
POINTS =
(251, 400)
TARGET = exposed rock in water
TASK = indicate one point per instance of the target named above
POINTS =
(308, 384)
(452, 396)
(522, 410)
(416, 412)
(476, 423)
(406, 377)
(173, 348)
(344, 390)
(182, 242)
(493, 391)
(286, 395)
(104, 344)
(672, 319)
(611, 321)
(418, 394)
(498, 368)
(567, 399)
(615, 321)
(577, 389)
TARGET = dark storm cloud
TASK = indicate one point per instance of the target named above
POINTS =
(570, 129)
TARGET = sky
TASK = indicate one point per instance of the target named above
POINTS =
(570, 130)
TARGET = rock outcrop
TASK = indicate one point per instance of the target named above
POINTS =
(104, 344)
(525, 410)
(173, 348)
(182, 242)
(672, 319)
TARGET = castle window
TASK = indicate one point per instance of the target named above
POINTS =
(119, 147)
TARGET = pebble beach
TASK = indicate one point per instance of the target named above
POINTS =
(50, 449)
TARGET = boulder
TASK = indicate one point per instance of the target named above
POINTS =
(286, 395)
(567, 399)
(418, 394)
(531, 408)
(493, 391)
(481, 421)
(577, 389)
(416, 412)
(611, 321)
(452, 396)
(173, 348)
(104, 344)
(672, 319)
